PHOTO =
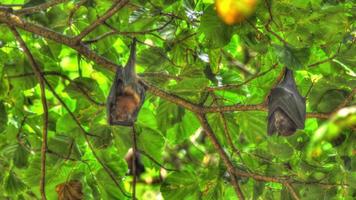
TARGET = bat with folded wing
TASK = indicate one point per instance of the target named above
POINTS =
(126, 95)
(286, 107)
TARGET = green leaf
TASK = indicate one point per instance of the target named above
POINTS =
(21, 156)
(64, 146)
(182, 130)
(180, 185)
(294, 58)
(83, 87)
(253, 125)
(13, 184)
(103, 136)
(3, 117)
(217, 34)
(151, 142)
(4, 87)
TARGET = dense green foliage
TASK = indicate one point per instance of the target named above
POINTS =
(186, 50)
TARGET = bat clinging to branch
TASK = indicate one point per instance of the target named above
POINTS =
(286, 107)
(126, 95)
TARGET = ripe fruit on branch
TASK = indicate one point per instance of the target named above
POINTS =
(235, 11)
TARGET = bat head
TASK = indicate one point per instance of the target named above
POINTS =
(281, 124)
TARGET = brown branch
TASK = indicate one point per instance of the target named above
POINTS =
(40, 78)
(118, 4)
(230, 167)
(292, 191)
(283, 180)
(7, 17)
(232, 108)
(34, 9)
(172, 98)
(226, 129)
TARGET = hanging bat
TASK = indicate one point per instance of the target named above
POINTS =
(126, 95)
(140, 168)
(286, 107)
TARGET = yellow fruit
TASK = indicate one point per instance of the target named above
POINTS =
(235, 11)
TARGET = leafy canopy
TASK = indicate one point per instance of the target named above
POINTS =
(186, 50)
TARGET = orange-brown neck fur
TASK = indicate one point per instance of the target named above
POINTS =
(126, 104)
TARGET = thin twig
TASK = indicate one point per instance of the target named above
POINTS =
(134, 152)
(41, 82)
(267, 25)
(155, 161)
(65, 77)
(130, 33)
(235, 86)
(72, 12)
(328, 59)
(347, 100)
(235, 62)
(292, 191)
(309, 90)
(118, 4)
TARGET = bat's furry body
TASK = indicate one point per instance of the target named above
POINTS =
(126, 95)
(286, 107)
(140, 168)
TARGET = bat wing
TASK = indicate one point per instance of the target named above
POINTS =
(114, 90)
(290, 103)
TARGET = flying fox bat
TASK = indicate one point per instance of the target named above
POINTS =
(140, 168)
(126, 95)
(286, 107)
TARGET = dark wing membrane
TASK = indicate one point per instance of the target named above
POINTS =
(271, 128)
(283, 99)
(112, 95)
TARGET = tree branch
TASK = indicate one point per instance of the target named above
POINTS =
(292, 191)
(230, 167)
(7, 17)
